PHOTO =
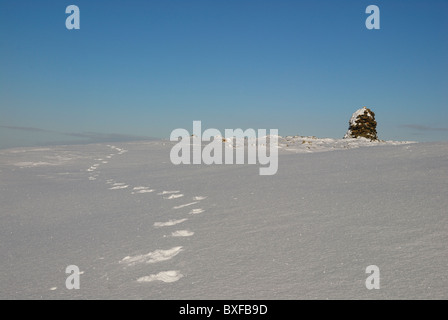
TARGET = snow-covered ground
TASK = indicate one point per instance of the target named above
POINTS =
(139, 227)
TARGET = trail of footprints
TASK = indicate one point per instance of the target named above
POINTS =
(161, 255)
(158, 255)
(94, 174)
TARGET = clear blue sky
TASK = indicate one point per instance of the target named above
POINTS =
(144, 68)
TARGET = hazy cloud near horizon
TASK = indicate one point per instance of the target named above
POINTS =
(30, 129)
(423, 128)
(90, 137)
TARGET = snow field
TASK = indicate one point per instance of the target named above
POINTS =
(307, 232)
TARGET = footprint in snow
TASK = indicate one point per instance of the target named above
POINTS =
(185, 205)
(196, 211)
(151, 257)
(118, 187)
(182, 233)
(139, 188)
(169, 223)
(167, 192)
(164, 276)
(142, 189)
(174, 196)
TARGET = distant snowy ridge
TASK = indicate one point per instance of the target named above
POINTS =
(300, 144)
(305, 144)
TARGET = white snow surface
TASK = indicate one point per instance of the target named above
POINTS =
(307, 232)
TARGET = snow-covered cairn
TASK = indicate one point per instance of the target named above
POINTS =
(362, 124)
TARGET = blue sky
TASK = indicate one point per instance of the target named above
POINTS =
(144, 68)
